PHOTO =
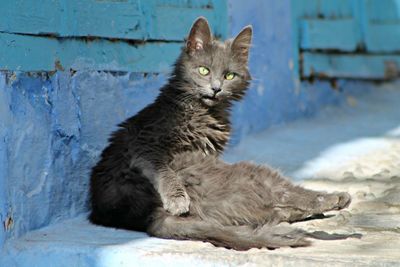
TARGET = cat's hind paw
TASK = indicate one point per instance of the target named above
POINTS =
(334, 201)
(344, 200)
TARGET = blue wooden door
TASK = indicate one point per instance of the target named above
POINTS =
(348, 38)
(114, 35)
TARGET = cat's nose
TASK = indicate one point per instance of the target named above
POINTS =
(216, 86)
(216, 90)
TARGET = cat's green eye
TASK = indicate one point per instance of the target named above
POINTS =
(229, 76)
(203, 71)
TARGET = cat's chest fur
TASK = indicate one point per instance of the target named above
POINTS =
(205, 132)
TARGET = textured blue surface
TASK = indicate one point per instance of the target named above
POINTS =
(350, 65)
(127, 19)
(366, 33)
(327, 9)
(54, 128)
(389, 31)
(339, 34)
(3, 160)
(33, 53)
(133, 35)
(276, 96)
(383, 23)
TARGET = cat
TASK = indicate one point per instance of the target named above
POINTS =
(161, 172)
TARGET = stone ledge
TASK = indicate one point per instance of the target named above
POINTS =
(78, 243)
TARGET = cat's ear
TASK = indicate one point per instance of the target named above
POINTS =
(242, 42)
(199, 36)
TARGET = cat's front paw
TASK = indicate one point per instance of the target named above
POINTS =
(177, 205)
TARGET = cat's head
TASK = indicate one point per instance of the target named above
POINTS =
(214, 71)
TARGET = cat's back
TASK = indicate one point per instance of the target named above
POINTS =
(127, 136)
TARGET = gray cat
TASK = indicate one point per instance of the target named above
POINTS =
(161, 172)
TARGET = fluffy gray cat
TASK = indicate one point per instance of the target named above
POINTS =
(161, 172)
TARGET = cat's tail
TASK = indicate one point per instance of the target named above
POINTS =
(243, 237)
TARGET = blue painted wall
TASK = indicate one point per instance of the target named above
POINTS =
(356, 39)
(52, 131)
(276, 95)
(100, 35)
(53, 126)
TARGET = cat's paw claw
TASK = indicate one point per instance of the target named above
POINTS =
(177, 205)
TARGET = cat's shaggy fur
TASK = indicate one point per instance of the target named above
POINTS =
(161, 172)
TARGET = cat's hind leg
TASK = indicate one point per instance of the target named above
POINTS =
(298, 203)
(288, 202)
(281, 200)
(242, 237)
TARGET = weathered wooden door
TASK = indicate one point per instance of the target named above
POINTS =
(115, 35)
(347, 38)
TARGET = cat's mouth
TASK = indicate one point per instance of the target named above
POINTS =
(209, 100)
(209, 97)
